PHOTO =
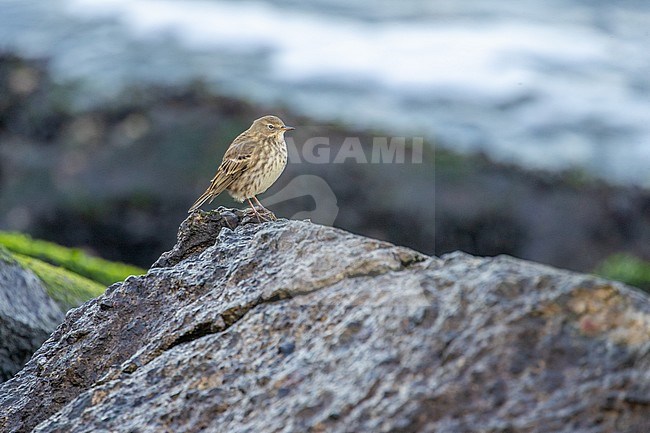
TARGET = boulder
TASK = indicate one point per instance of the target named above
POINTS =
(290, 326)
(27, 315)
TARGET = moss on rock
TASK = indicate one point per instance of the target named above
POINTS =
(628, 269)
(66, 288)
(74, 260)
(5, 256)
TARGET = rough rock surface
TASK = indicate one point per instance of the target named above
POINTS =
(27, 316)
(290, 326)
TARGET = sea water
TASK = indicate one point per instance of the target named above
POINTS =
(545, 84)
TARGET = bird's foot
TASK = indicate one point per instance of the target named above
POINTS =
(263, 215)
(268, 212)
(270, 215)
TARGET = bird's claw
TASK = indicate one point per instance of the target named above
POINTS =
(264, 215)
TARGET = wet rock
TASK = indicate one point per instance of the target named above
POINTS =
(27, 316)
(291, 326)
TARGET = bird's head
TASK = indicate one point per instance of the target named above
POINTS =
(270, 126)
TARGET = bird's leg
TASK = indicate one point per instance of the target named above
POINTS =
(259, 204)
(273, 217)
(259, 217)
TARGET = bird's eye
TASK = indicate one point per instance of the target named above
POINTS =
(271, 126)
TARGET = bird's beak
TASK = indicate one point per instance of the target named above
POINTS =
(288, 128)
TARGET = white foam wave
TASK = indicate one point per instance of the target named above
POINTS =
(574, 74)
(302, 46)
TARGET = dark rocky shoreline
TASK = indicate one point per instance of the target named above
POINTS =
(118, 179)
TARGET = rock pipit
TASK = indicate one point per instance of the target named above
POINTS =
(252, 163)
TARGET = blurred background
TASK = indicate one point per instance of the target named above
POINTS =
(114, 115)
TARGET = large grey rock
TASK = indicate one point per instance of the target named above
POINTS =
(289, 326)
(27, 315)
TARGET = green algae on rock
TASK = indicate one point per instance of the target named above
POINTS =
(626, 268)
(75, 260)
(67, 289)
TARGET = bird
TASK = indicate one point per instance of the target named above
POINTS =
(251, 164)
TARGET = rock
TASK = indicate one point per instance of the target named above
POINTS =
(27, 315)
(291, 326)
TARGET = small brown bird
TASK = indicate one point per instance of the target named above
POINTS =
(252, 163)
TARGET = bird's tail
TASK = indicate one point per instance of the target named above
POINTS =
(209, 194)
(218, 184)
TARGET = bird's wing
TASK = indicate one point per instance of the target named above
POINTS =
(235, 160)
